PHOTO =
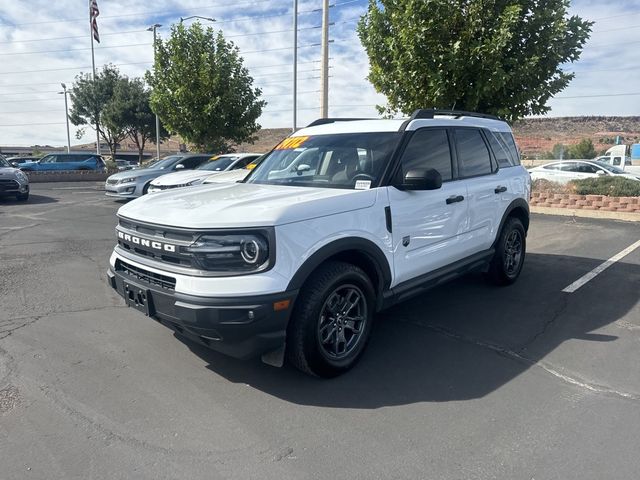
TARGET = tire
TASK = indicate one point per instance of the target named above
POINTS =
(145, 189)
(331, 288)
(22, 197)
(507, 262)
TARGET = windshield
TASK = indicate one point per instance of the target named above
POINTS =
(218, 165)
(3, 162)
(347, 160)
(164, 163)
(612, 169)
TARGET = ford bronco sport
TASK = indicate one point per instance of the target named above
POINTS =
(342, 219)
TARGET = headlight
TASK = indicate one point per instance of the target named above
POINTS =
(21, 176)
(194, 182)
(128, 180)
(230, 253)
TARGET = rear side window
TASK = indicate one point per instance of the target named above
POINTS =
(510, 143)
(473, 154)
(428, 148)
(501, 151)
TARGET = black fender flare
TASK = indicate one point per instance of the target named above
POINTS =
(518, 203)
(366, 247)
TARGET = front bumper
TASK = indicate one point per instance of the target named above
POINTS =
(12, 187)
(241, 327)
(124, 190)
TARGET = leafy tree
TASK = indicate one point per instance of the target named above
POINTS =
(494, 56)
(583, 150)
(91, 98)
(130, 110)
(202, 90)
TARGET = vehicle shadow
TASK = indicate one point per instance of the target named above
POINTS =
(461, 341)
(33, 200)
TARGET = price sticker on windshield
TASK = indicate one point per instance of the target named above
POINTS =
(363, 184)
(291, 143)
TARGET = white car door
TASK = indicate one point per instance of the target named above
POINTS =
(427, 225)
(484, 188)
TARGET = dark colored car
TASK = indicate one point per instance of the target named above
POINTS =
(66, 161)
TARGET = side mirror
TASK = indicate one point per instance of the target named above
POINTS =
(14, 164)
(601, 173)
(421, 179)
(180, 167)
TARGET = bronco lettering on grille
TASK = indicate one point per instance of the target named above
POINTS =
(147, 243)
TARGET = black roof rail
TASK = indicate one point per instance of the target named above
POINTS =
(427, 113)
(324, 121)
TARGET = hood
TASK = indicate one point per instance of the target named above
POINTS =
(231, 176)
(182, 177)
(140, 172)
(229, 205)
(8, 171)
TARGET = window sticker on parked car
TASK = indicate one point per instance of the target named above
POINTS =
(363, 184)
(291, 143)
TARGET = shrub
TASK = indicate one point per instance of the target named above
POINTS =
(542, 185)
(610, 186)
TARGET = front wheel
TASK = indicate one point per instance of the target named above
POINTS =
(22, 197)
(507, 262)
(331, 321)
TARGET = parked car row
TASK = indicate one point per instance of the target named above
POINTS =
(174, 171)
(565, 171)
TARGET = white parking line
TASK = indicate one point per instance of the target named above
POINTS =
(600, 268)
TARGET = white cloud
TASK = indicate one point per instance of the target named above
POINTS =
(608, 64)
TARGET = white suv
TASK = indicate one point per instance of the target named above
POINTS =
(342, 219)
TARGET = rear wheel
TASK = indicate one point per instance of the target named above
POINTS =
(331, 321)
(508, 259)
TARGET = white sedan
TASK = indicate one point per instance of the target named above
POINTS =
(566, 170)
(215, 166)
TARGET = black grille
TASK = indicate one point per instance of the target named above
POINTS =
(9, 184)
(153, 279)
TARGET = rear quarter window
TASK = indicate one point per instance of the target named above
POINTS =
(504, 149)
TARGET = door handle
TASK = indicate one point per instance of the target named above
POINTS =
(455, 199)
(500, 189)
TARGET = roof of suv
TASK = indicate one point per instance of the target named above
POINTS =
(419, 119)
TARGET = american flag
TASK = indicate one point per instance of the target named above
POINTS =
(93, 16)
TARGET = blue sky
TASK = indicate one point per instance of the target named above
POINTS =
(37, 55)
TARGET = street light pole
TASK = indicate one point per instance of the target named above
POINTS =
(66, 115)
(197, 16)
(324, 68)
(295, 64)
(153, 28)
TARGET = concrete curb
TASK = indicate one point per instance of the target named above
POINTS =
(67, 176)
(572, 212)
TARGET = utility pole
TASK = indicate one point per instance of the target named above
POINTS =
(93, 66)
(324, 73)
(295, 65)
(66, 115)
(153, 29)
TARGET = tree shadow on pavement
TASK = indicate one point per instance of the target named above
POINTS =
(460, 341)
(33, 200)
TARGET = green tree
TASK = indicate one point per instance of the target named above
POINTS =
(130, 110)
(583, 150)
(201, 89)
(91, 98)
(502, 57)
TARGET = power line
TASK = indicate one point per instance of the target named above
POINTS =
(31, 124)
(631, 94)
(72, 68)
(147, 12)
(615, 16)
(65, 50)
(29, 93)
(66, 38)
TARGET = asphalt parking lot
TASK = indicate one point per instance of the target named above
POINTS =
(466, 382)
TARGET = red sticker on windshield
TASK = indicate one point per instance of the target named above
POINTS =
(290, 143)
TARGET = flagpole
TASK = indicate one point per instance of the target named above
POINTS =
(93, 65)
